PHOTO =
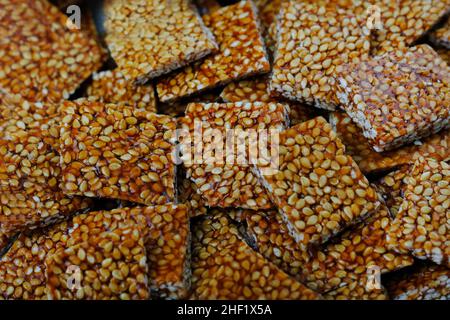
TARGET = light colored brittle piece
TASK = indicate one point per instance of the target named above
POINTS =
(167, 242)
(257, 89)
(421, 226)
(225, 267)
(318, 189)
(241, 54)
(149, 38)
(399, 97)
(436, 146)
(403, 22)
(112, 87)
(42, 59)
(422, 282)
(314, 41)
(106, 249)
(115, 151)
(228, 182)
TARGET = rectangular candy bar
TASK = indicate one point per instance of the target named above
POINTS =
(116, 151)
(151, 38)
(318, 189)
(241, 54)
(356, 145)
(397, 98)
(42, 58)
(314, 41)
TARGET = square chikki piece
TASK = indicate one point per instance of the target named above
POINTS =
(217, 154)
(115, 151)
(241, 54)
(42, 59)
(148, 38)
(318, 189)
(225, 267)
(441, 36)
(422, 224)
(422, 282)
(403, 22)
(112, 87)
(105, 254)
(436, 146)
(257, 89)
(315, 40)
(399, 97)
(167, 242)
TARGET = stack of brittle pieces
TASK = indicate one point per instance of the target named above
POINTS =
(254, 149)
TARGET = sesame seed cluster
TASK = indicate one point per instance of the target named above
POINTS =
(118, 180)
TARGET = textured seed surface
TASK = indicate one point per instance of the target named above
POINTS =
(225, 267)
(338, 264)
(112, 87)
(167, 242)
(108, 248)
(422, 282)
(189, 195)
(404, 22)
(228, 183)
(115, 151)
(257, 89)
(22, 268)
(151, 38)
(436, 146)
(397, 98)
(318, 189)
(241, 54)
(421, 226)
(314, 41)
(41, 58)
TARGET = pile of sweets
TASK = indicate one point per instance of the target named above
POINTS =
(111, 132)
